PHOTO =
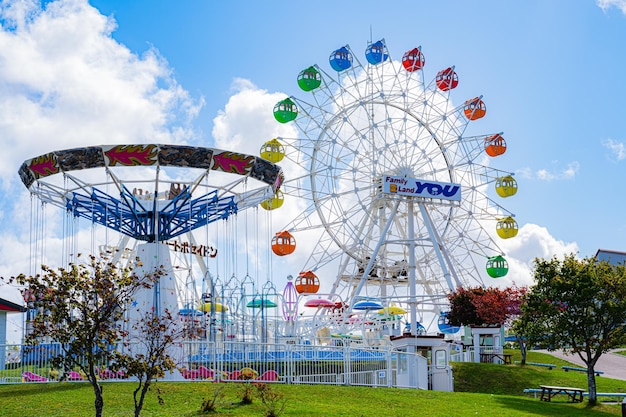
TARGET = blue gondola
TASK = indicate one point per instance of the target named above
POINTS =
(376, 53)
(341, 59)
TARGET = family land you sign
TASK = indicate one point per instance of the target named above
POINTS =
(420, 188)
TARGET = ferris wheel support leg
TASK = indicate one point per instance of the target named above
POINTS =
(368, 268)
(446, 265)
(412, 267)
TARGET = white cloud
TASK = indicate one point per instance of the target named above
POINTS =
(247, 121)
(65, 82)
(532, 242)
(607, 4)
(618, 152)
(570, 171)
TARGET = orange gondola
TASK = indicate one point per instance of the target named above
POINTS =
(495, 145)
(474, 109)
(283, 243)
(307, 282)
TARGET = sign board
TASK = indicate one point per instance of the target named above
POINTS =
(421, 188)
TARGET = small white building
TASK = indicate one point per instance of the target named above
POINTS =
(431, 370)
(487, 343)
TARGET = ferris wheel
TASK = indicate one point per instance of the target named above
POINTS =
(400, 196)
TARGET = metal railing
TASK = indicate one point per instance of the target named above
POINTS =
(238, 361)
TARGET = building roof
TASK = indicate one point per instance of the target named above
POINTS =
(611, 256)
(6, 305)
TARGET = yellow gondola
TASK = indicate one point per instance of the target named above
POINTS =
(506, 186)
(506, 227)
(275, 202)
(273, 150)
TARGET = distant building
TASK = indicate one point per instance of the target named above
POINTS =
(6, 306)
(611, 256)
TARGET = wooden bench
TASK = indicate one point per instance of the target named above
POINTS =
(536, 391)
(574, 394)
(572, 368)
(550, 366)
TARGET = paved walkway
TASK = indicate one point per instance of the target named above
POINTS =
(612, 364)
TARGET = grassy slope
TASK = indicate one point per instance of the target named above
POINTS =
(469, 377)
(496, 391)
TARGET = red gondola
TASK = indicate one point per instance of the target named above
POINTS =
(413, 60)
(447, 79)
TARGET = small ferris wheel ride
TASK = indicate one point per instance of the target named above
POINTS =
(396, 188)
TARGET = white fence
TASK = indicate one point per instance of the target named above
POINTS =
(237, 361)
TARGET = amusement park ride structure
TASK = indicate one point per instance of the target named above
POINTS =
(396, 193)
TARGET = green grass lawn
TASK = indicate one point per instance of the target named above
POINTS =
(481, 389)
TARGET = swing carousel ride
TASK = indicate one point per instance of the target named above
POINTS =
(396, 196)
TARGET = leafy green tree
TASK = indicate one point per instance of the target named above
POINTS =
(578, 306)
(82, 308)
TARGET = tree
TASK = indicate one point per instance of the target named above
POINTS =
(484, 306)
(82, 308)
(578, 306)
(149, 352)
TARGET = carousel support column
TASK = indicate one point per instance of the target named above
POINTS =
(155, 256)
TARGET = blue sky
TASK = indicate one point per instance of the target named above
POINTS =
(77, 73)
(548, 70)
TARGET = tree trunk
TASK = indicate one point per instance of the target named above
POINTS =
(99, 401)
(142, 395)
(523, 348)
(591, 385)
